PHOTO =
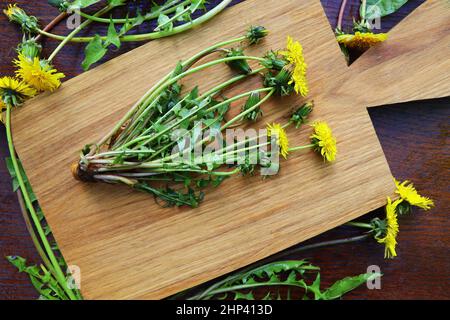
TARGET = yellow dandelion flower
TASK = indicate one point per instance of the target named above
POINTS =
(10, 10)
(294, 55)
(324, 141)
(407, 192)
(10, 86)
(294, 51)
(38, 73)
(282, 140)
(362, 40)
(392, 229)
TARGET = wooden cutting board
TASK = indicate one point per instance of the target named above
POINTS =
(127, 247)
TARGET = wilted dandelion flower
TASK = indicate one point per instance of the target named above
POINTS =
(18, 15)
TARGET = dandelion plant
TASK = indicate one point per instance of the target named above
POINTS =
(281, 280)
(153, 148)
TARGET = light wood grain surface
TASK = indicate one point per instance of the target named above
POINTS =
(414, 64)
(127, 246)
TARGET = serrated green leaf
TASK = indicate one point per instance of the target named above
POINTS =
(43, 281)
(47, 230)
(280, 266)
(197, 4)
(274, 279)
(15, 182)
(193, 94)
(180, 16)
(268, 276)
(18, 262)
(178, 69)
(315, 288)
(341, 287)
(40, 214)
(12, 173)
(251, 102)
(244, 296)
(126, 26)
(138, 20)
(380, 8)
(112, 36)
(164, 23)
(94, 51)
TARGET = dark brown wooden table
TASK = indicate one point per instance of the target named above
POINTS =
(415, 139)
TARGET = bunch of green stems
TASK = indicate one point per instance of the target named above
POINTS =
(50, 279)
(170, 7)
(139, 149)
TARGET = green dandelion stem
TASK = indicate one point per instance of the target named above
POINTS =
(230, 123)
(179, 14)
(250, 286)
(226, 149)
(198, 69)
(77, 30)
(271, 91)
(161, 171)
(321, 245)
(302, 147)
(241, 150)
(32, 233)
(173, 80)
(287, 125)
(363, 9)
(59, 275)
(165, 9)
(150, 93)
(145, 139)
(174, 142)
(210, 92)
(218, 89)
(152, 35)
(230, 82)
(214, 173)
(359, 225)
(118, 153)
